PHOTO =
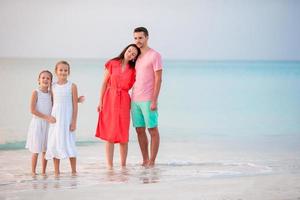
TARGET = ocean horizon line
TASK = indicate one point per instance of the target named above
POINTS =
(165, 59)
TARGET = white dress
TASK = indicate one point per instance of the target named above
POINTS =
(38, 129)
(61, 141)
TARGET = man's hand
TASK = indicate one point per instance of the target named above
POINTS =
(153, 105)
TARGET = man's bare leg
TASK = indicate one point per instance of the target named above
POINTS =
(154, 145)
(143, 142)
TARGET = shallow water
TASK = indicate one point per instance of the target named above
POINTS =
(218, 121)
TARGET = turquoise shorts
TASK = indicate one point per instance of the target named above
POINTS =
(142, 115)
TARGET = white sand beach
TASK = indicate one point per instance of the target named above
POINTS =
(269, 187)
(222, 172)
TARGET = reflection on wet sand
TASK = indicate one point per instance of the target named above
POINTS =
(150, 175)
(56, 182)
(142, 175)
(121, 175)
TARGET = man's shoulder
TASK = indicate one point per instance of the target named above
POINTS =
(154, 55)
(154, 52)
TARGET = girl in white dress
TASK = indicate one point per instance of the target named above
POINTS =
(61, 137)
(41, 105)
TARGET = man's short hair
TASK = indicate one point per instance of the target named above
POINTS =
(141, 29)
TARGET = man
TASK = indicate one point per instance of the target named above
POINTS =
(145, 96)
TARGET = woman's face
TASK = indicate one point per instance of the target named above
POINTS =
(131, 53)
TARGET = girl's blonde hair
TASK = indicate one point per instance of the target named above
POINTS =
(64, 63)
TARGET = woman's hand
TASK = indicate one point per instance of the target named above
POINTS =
(99, 108)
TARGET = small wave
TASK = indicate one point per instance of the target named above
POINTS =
(212, 169)
(21, 145)
(12, 146)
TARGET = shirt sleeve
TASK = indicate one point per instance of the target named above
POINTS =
(157, 62)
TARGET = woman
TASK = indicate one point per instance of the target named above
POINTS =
(114, 104)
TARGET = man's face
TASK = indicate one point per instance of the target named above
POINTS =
(140, 39)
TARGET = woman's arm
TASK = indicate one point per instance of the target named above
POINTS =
(103, 89)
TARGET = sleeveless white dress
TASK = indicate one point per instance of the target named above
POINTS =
(38, 128)
(61, 141)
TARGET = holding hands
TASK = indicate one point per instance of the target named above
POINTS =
(50, 119)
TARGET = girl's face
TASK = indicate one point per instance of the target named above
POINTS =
(131, 53)
(45, 80)
(62, 71)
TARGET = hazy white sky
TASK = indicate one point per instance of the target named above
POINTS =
(181, 29)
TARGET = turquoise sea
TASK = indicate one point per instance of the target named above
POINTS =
(218, 120)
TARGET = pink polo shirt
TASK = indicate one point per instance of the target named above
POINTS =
(145, 67)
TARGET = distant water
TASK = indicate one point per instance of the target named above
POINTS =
(198, 98)
(217, 120)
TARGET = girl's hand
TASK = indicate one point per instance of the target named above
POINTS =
(51, 119)
(81, 99)
(72, 126)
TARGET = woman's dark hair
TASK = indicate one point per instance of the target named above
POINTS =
(130, 62)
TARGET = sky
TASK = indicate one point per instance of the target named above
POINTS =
(181, 29)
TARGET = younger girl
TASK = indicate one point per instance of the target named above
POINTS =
(114, 104)
(61, 138)
(41, 105)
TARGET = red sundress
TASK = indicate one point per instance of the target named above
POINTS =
(114, 118)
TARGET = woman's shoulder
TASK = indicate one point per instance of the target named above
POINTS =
(113, 62)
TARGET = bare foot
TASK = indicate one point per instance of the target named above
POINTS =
(33, 174)
(151, 164)
(74, 173)
(145, 163)
(123, 167)
(109, 167)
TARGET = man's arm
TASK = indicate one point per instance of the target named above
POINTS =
(157, 84)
